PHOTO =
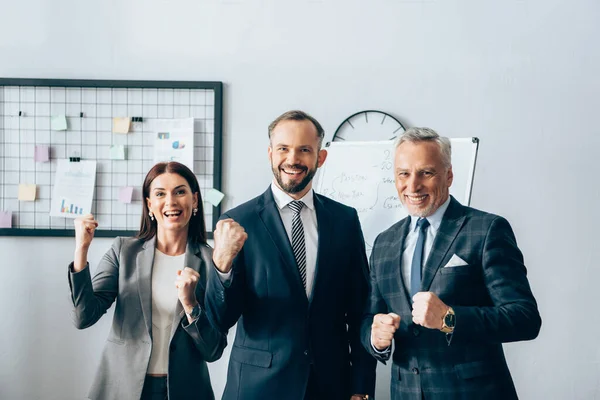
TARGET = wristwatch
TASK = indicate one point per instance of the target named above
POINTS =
(449, 321)
(195, 313)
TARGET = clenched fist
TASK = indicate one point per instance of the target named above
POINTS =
(428, 310)
(382, 330)
(85, 226)
(84, 231)
(229, 238)
(186, 282)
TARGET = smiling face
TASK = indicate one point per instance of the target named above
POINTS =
(422, 180)
(171, 201)
(295, 156)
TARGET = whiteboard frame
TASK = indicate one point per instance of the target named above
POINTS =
(216, 86)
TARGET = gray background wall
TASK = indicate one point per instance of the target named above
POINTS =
(520, 74)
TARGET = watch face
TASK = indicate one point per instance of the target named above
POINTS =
(368, 125)
(450, 320)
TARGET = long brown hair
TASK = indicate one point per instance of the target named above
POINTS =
(196, 226)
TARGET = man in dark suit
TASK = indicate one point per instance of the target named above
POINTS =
(299, 282)
(448, 286)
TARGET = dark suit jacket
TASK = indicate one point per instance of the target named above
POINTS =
(280, 332)
(124, 274)
(490, 296)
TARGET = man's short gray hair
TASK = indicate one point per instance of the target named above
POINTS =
(415, 135)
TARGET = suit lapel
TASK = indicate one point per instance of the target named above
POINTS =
(397, 248)
(452, 221)
(325, 225)
(193, 260)
(269, 215)
(144, 263)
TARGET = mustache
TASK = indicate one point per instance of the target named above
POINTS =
(294, 166)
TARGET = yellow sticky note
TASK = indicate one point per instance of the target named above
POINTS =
(214, 197)
(58, 123)
(121, 124)
(117, 152)
(27, 192)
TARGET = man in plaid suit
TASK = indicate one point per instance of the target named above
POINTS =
(448, 286)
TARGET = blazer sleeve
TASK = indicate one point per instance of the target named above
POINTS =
(224, 300)
(514, 315)
(375, 305)
(207, 338)
(92, 297)
(363, 365)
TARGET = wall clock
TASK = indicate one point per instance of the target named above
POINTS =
(368, 125)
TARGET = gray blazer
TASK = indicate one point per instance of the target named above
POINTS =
(124, 274)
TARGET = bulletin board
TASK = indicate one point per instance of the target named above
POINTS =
(27, 107)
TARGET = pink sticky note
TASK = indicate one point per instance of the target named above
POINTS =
(42, 154)
(125, 194)
(5, 219)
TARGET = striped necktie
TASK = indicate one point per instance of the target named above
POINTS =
(298, 245)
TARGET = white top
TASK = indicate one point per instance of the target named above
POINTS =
(164, 301)
(410, 242)
(308, 215)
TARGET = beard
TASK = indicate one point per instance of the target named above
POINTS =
(293, 187)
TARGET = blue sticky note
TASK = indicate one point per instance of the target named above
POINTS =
(58, 123)
(117, 152)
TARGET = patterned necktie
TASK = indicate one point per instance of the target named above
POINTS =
(417, 261)
(298, 245)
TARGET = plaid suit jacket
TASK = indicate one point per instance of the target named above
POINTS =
(491, 297)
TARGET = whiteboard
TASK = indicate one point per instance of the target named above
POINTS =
(360, 175)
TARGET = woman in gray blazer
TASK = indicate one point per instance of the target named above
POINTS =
(160, 338)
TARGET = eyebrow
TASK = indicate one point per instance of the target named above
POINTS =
(180, 186)
(300, 147)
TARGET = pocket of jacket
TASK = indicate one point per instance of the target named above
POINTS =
(258, 358)
(462, 270)
(475, 369)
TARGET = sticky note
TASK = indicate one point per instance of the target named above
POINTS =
(121, 124)
(214, 197)
(27, 192)
(125, 194)
(58, 123)
(117, 152)
(42, 154)
(5, 219)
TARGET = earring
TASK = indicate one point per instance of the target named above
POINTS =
(151, 215)
(195, 211)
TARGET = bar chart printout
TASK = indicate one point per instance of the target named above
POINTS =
(73, 189)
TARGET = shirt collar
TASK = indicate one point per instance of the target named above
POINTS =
(435, 219)
(282, 199)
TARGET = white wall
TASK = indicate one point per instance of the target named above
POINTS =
(521, 75)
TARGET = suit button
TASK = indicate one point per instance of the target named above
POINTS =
(305, 352)
(416, 331)
(415, 371)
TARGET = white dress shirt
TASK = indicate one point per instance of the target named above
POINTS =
(308, 215)
(410, 242)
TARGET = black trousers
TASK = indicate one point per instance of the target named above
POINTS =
(312, 389)
(155, 388)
